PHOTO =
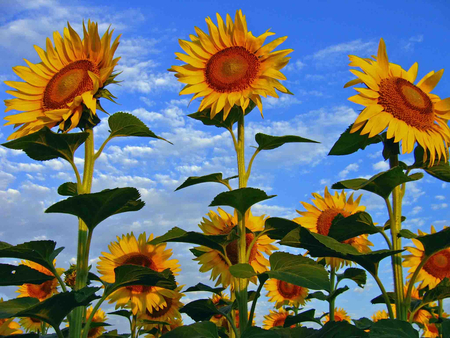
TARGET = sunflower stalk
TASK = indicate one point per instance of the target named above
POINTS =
(332, 288)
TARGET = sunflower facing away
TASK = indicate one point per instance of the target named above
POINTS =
(230, 66)
(283, 293)
(8, 327)
(32, 324)
(339, 316)
(69, 75)
(319, 217)
(131, 251)
(435, 269)
(39, 291)
(169, 309)
(409, 112)
(221, 224)
(276, 318)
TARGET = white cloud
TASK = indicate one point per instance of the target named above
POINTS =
(410, 43)
(439, 206)
(345, 48)
(416, 210)
(440, 197)
(351, 167)
(283, 101)
(380, 166)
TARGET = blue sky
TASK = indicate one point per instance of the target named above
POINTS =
(321, 33)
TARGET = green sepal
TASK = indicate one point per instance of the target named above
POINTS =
(192, 180)
(357, 275)
(18, 275)
(268, 142)
(68, 189)
(351, 143)
(203, 287)
(96, 207)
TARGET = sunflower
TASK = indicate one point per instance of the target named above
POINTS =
(8, 327)
(220, 301)
(127, 250)
(339, 316)
(435, 269)
(379, 315)
(431, 330)
(99, 317)
(276, 318)
(409, 112)
(168, 309)
(40, 291)
(230, 66)
(319, 217)
(32, 324)
(68, 76)
(421, 316)
(223, 223)
(283, 293)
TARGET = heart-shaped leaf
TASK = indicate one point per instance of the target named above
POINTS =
(277, 227)
(306, 316)
(436, 242)
(200, 310)
(357, 275)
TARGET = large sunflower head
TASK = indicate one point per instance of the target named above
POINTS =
(435, 269)
(8, 327)
(223, 223)
(230, 66)
(167, 310)
(131, 251)
(65, 83)
(339, 316)
(39, 291)
(409, 111)
(283, 293)
(319, 216)
(276, 318)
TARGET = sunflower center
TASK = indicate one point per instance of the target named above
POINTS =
(406, 102)
(232, 249)
(140, 260)
(35, 320)
(232, 69)
(438, 265)
(40, 291)
(70, 82)
(288, 290)
(279, 321)
(326, 218)
(162, 310)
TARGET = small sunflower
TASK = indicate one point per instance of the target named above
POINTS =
(339, 316)
(319, 217)
(68, 76)
(8, 327)
(230, 66)
(40, 291)
(283, 293)
(276, 318)
(99, 317)
(431, 330)
(435, 269)
(129, 251)
(220, 301)
(379, 315)
(223, 223)
(32, 324)
(409, 112)
(169, 309)
(422, 316)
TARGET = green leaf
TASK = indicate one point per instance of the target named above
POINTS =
(357, 275)
(240, 199)
(440, 291)
(268, 142)
(325, 246)
(68, 189)
(115, 334)
(306, 316)
(216, 177)
(46, 145)
(178, 235)
(242, 270)
(381, 184)
(339, 330)
(277, 227)
(317, 295)
(41, 252)
(125, 124)
(343, 228)
(337, 292)
(380, 298)
(436, 242)
(298, 270)
(351, 143)
(18, 275)
(440, 171)
(52, 310)
(387, 225)
(122, 313)
(363, 323)
(196, 330)
(405, 233)
(154, 322)
(232, 118)
(203, 287)
(95, 208)
(392, 328)
(129, 275)
(201, 309)
(297, 332)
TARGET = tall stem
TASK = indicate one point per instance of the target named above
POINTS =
(83, 235)
(332, 288)
(385, 296)
(396, 221)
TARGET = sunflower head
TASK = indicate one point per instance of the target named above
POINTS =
(166, 310)
(276, 318)
(64, 87)
(409, 111)
(283, 293)
(220, 301)
(319, 217)
(229, 66)
(221, 223)
(8, 327)
(131, 251)
(379, 315)
(431, 330)
(339, 316)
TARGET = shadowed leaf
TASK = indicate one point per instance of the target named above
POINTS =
(440, 291)
(351, 143)
(343, 228)
(200, 310)
(18, 275)
(68, 189)
(435, 242)
(306, 316)
(357, 275)
(268, 142)
(203, 287)
(392, 328)
(242, 270)
(216, 177)
(277, 227)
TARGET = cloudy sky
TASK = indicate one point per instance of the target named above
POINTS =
(322, 34)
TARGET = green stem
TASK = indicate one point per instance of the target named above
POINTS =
(385, 296)
(58, 332)
(412, 281)
(388, 241)
(252, 310)
(249, 168)
(99, 152)
(440, 311)
(133, 327)
(235, 331)
(89, 320)
(332, 288)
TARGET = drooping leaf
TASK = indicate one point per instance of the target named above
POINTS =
(440, 291)
(363, 323)
(196, 330)
(405, 233)
(41, 252)
(435, 242)
(125, 124)
(317, 295)
(440, 171)
(242, 270)
(392, 328)
(306, 316)
(343, 228)
(123, 313)
(387, 225)
(46, 145)
(154, 322)
(337, 292)
(68, 189)
(277, 227)
(355, 274)
(178, 235)
(216, 177)
(381, 184)
(351, 143)
(203, 287)
(240, 199)
(380, 298)
(18, 275)
(96, 207)
(268, 142)
(200, 309)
